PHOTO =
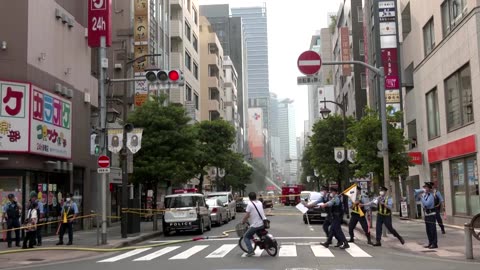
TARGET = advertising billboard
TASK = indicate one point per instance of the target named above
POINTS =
(255, 132)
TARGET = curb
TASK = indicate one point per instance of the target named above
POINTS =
(137, 239)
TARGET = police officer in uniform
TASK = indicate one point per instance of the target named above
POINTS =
(11, 213)
(67, 216)
(439, 206)
(384, 216)
(355, 217)
(427, 199)
(336, 206)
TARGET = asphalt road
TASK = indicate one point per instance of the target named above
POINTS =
(299, 250)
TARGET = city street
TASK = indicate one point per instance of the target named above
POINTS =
(300, 249)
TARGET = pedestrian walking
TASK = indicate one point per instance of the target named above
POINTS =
(336, 206)
(41, 215)
(67, 216)
(439, 207)
(11, 213)
(384, 216)
(427, 199)
(359, 209)
(30, 226)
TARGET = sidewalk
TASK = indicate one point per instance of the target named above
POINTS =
(82, 239)
(451, 245)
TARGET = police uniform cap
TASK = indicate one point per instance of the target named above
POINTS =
(11, 196)
(33, 194)
(428, 184)
(324, 188)
(333, 189)
(383, 188)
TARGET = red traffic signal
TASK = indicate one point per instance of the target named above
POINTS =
(173, 75)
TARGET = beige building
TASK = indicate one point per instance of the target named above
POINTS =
(212, 92)
(440, 62)
(184, 55)
(231, 100)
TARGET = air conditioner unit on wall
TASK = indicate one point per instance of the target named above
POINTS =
(64, 91)
(86, 97)
(58, 88)
(70, 93)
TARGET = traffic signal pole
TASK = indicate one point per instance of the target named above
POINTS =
(103, 117)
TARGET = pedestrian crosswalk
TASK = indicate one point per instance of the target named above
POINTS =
(218, 252)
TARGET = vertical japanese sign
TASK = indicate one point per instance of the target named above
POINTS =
(14, 113)
(141, 38)
(255, 132)
(345, 40)
(99, 22)
(51, 124)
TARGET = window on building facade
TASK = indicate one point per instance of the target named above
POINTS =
(429, 36)
(195, 15)
(212, 48)
(433, 115)
(189, 5)
(196, 100)
(412, 134)
(212, 71)
(361, 47)
(188, 31)
(188, 61)
(195, 70)
(360, 14)
(406, 21)
(188, 93)
(195, 43)
(436, 176)
(459, 102)
(464, 180)
(363, 80)
(452, 13)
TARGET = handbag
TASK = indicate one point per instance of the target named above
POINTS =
(266, 222)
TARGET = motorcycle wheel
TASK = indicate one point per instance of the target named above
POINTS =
(243, 246)
(272, 249)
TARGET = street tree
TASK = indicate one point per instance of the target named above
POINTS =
(363, 137)
(167, 143)
(213, 142)
(237, 172)
(327, 134)
(307, 169)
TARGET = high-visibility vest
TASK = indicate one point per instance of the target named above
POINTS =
(383, 210)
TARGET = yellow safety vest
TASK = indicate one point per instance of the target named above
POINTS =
(383, 210)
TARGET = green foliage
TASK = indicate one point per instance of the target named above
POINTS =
(167, 143)
(237, 173)
(364, 135)
(307, 169)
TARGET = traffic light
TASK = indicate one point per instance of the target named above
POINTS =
(94, 146)
(165, 77)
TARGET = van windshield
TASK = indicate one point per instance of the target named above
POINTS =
(179, 202)
(222, 198)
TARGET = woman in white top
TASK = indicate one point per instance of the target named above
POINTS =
(31, 224)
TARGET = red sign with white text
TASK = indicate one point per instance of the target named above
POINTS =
(461, 147)
(416, 157)
(390, 64)
(99, 22)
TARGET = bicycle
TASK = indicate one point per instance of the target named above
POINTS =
(261, 239)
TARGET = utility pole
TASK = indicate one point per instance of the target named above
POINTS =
(103, 62)
(124, 151)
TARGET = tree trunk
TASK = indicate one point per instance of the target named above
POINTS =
(200, 184)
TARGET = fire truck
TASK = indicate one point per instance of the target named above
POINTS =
(291, 194)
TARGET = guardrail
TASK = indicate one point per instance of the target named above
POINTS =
(469, 229)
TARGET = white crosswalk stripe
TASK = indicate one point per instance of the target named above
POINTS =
(287, 250)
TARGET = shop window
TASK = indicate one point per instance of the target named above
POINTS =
(10, 184)
(465, 188)
(436, 176)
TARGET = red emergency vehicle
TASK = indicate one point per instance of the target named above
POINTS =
(291, 194)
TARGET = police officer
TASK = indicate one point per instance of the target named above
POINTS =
(439, 206)
(427, 199)
(11, 213)
(40, 216)
(336, 206)
(384, 216)
(67, 216)
(355, 217)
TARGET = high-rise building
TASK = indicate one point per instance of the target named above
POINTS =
(441, 105)
(288, 140)
(230, 32)
(212, 96)
(231, 101)
(347, 45)
(273, 132)
(184, 54)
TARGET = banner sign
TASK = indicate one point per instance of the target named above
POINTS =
(51, 129)
(99, 22)
(115, 139)
(14, 116)
(141, 29)
(345, 42)
(339, 153)
(134, 140)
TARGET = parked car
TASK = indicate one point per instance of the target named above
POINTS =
(227, 200)
(316, 213)
(241, 204)
(218, 212)
(186, 212)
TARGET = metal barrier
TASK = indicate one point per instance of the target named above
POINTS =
(470, 230)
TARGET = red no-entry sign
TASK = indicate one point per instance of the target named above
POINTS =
(103, 162)
(309, 62)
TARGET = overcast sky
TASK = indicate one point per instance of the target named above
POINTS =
(291, 25)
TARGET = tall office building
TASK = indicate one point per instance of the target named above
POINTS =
(230, 32)
(288, 140)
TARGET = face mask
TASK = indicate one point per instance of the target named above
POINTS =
(382, 193)
(68, 199)
(322, 193)
(425, 190)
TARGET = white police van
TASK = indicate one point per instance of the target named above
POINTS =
(186, 212)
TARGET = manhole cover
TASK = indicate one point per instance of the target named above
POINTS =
(35, 260)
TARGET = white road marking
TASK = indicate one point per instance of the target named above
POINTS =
(288, 251)
(236, 239)
(189, 252)
(157, 254)
(321, 251)
(258, 253)
(222, 251)
(357, 252)
(125, 255)
(309, 62)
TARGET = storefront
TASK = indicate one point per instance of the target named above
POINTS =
(453, 168)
